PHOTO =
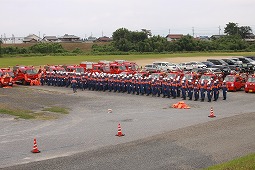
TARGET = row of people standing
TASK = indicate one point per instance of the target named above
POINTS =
(167, 88)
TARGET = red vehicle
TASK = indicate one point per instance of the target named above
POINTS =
(206, 77)
(6, 77)
(54, 68)
(250, 84)
(25, 74)
(234, 82)
(96, 67)
(74, 68)
(130, 66)
(191, 76)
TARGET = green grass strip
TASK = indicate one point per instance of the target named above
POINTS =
(243, 163)
(56, 109)
(53, 60)
(18, 113)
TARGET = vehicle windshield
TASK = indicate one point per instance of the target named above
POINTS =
(229, 79)
(122, 68)
(10, 73)
(171, 75)
(188, 76)
(31, 71)
(79, 70)
(155, 76)
(134, 67)
(251, 80)
(205, 77)
(250, 60)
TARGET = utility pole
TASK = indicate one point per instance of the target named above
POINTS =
(193, 31)
(102, 33)
(219, 30)
(169, 31)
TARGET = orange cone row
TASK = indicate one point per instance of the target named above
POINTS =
(119, 134)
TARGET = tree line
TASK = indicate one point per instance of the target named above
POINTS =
(126, 41)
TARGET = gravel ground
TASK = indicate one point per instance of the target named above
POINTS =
(166, 137)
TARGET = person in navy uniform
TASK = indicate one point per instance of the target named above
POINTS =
(196, 90)
(190, 89)
(224, 90)
(74, 84)
(209, 91)
(202, 90)
(215, 89)
(184, 89)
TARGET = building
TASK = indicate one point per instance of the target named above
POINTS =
(90, 39)
(69, 38)
(174, 37)
(104, 39)
(50, 39)
(32, 38)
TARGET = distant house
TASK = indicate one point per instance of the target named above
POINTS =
(69, 38)
(32, 38)
(91, 39)
(204, 38)
(50, 39)
(104, 39)
(174, 37)
(216, 36)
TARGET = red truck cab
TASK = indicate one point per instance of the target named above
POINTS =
(250, 84)
(6, 77)
(234, 82)
(24, 74)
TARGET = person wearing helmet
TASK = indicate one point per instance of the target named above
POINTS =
(74, 84)
(224, 90)
(202, 88)
(196, 91)
(209, 91)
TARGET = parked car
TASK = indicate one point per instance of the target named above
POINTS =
(196, 64)
(186, 66)
(208, 64)
(250, 84)
(151, 68)
(234, 82)
(246, 60)
(165, 66)
(233, 65)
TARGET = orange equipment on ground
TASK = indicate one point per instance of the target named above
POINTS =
(211, 113)
(35, 149)
(180, 105)
(119, 134)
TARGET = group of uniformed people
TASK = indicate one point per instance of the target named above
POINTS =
(165, 87)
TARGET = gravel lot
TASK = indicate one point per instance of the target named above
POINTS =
(180, 139)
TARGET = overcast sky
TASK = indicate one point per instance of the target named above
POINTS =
(97, 17)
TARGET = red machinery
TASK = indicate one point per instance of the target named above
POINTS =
(25, 74)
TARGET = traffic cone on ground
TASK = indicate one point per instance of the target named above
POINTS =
(211, 113)
(35, 149)
(119, 134)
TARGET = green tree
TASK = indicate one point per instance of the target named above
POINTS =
(231, 29)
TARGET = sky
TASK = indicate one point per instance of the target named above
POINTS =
(84, 18)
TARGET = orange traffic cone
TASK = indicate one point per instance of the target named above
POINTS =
(35, 149)
(211, 113)
(119, 134)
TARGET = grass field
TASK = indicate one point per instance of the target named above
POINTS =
(245, 163)
(53, 60)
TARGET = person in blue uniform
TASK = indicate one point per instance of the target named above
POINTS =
(224, 90)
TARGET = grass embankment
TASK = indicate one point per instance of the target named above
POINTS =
(45, 114)
(244, 163)
(55, 60)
